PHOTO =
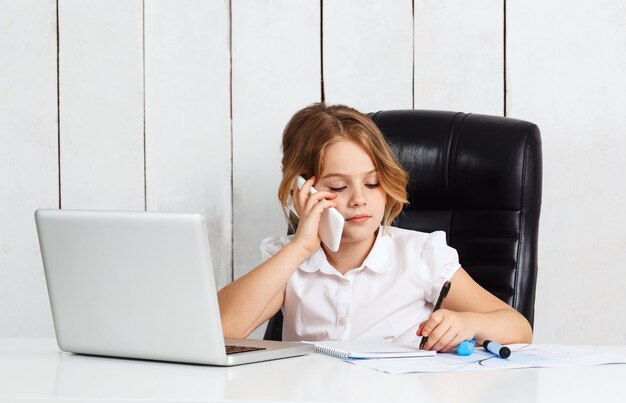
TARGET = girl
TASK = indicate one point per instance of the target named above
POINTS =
(383, 281)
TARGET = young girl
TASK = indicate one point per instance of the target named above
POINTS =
(383, 281)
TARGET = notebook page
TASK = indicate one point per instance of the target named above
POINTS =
(362, 349)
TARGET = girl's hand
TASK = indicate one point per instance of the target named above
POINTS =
(310, 208)
(445, 330)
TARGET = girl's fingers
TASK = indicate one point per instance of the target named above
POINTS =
(436, 334)
(453, 344)
(316, 200)
(316, 211)
(446, 340)
(432, 322)
(298, 197)
(303, 200)
(419, 329)
(304, 193)
(445, 331)
(443, 339)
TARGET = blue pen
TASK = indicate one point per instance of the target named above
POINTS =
(466, 347)
(497, 349)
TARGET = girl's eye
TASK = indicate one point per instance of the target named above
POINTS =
(372, 185)
(337, 189)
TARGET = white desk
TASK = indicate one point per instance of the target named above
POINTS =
(34, 370)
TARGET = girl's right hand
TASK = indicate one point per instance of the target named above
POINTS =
(310, 208)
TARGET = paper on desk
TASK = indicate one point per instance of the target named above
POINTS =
(523, 356)
(367, 349)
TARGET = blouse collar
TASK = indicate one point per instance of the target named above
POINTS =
(379, 260)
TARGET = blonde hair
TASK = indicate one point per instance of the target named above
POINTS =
(312, 129)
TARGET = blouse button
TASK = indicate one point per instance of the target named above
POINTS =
(341, 321)
(344, 282)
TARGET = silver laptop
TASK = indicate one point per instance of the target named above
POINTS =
(139, 285)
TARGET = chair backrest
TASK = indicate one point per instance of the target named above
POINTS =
(478, 178)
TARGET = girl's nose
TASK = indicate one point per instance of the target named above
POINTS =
(357, 198)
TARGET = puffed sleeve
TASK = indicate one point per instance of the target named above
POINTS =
(270, 246)
(439, 263)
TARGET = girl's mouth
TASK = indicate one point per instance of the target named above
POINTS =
(358, 218)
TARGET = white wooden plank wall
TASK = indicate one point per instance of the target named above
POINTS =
(276, 71)
(368, 51)
(101, 104)
(566, 72)
(188, 133)
(28, 160)
(459, 55)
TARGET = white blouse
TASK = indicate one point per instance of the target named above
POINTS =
(387, 297)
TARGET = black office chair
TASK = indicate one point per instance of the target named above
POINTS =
(478, 178)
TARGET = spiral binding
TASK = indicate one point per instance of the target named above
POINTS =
(332, 352)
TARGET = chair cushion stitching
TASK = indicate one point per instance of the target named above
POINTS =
(446, 156)
(521, 222)
(451, 164)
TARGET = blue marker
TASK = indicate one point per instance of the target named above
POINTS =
(497, 349)
(466, 347)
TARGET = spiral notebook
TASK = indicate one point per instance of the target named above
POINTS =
(367, 349)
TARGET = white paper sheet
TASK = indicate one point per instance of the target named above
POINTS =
(522, 356)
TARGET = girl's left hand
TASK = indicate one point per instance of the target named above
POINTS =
(445, 330)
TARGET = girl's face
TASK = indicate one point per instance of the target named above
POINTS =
(350, 173)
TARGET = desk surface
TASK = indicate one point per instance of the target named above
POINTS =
(35, 370)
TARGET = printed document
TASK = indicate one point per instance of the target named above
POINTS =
(522, 356)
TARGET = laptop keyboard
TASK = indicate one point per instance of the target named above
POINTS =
(241, 349)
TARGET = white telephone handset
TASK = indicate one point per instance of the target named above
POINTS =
(331, 224)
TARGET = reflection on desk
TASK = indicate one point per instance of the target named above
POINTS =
(35, 369)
